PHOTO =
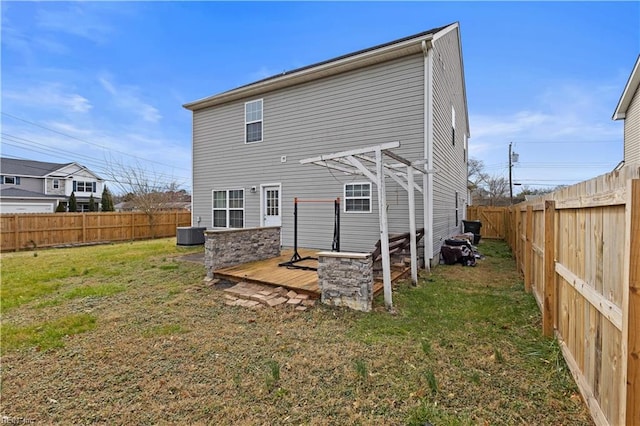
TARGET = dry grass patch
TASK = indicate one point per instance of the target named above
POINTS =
(464, 348)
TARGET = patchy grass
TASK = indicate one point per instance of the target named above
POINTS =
(46, 335)
(137, 338)
(100, 290)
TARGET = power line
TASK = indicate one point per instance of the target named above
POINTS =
(45, 149)
(84, 140)
(159, 182)
(159, 186)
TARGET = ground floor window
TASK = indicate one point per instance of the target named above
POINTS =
(357, 197)
(228, 208)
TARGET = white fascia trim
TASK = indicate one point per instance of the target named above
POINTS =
(456, 26)
(364, 59)
(629, 91)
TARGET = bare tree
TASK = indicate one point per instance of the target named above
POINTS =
(146, 190)
(475, 171)
(497, 190)
(487, 189)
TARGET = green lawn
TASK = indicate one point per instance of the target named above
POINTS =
(127, 333)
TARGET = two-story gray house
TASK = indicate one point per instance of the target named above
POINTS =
(28, 186)
(628, 109)
(248, 143)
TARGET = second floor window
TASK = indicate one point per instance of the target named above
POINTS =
(56, 184)
(80, 186)
(253, 121)
(11, 180)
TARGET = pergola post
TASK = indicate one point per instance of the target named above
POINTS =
(384, 230)
(412, 227)
(351, 162)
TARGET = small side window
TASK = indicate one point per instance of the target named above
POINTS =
(253, 121)
(453, 126)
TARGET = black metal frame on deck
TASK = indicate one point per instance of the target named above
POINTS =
(335, 244)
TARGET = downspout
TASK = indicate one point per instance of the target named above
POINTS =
(427, 178)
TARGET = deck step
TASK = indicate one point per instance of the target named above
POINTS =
(253, 295)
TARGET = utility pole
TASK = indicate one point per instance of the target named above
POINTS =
(513, 158)
(510, 176)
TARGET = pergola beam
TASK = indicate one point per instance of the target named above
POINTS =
(376, 170)
(388, 145)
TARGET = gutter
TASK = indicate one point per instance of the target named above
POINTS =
(427, 178)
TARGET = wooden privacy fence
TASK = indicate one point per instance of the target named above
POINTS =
(579, 252)
(493, 220)
(23, 231)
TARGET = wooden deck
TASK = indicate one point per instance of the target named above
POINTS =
(268, 272)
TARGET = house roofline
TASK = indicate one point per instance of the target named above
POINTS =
(31, 195)
(381, 53)
(629, 90)
(68, 175)
(445, 30)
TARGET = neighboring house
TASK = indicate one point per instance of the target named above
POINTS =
(248, 143)
(38, 187)
(628, 109)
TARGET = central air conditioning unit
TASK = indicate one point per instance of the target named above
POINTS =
(190, 235)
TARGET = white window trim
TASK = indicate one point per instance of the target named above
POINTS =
(55, 184)
(4, 180)
(227, 209)
(262, 212)
(370, 197)
(84, 186)
(254, 121)
(453, 125)
(466, 149)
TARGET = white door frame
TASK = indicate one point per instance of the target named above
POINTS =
(262, 212)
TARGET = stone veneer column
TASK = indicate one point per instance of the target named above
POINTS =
(346, 279)
(229, 247)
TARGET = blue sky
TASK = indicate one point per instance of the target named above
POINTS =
(103, 83)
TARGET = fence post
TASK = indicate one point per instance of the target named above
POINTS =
(517, 239)
(550, 294)
(16, 233)
(84, 228)
(631, 309)
(528, 250)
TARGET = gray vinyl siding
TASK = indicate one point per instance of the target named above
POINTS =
(27, 184)
(632, 131)
(449, 160)
(365, 107)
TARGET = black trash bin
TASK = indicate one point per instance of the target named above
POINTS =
(473, 226)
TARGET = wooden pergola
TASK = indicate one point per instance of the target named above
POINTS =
(373, 163)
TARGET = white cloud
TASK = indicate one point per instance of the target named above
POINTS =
(49, 95)
(565, 133)
(126, 98)
(262, 73)
(77, 19)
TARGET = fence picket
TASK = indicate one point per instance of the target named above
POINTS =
(21, 231)
(587, 284)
